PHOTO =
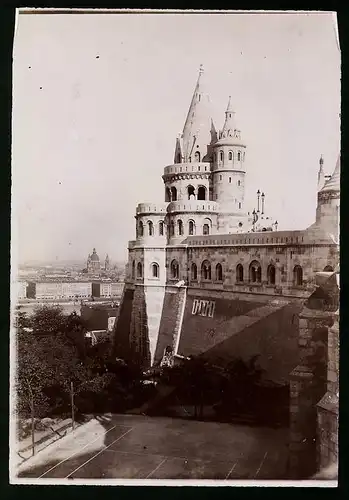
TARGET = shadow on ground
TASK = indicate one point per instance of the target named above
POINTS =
(141, 447)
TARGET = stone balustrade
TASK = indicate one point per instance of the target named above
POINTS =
(192, 206)
(187, 168)
(151, 208)
(280, 238)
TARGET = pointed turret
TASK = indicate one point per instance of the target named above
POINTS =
(197, 131)
(321, 175)
(229, 127)
(230, 131)
(178, 151)
(333, 183)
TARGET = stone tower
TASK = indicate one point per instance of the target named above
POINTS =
(188, 181)
(228, 173)
(328, 204)
(203, 195)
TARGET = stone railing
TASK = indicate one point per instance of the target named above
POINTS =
(187, 168)
(192, 206)
(280, 238)
(151, 208)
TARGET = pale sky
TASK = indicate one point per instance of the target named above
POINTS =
(94, 140)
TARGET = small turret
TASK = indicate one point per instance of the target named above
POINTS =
(230, 128)
(228, 167)
(327, 211)
(321, 175)
(178, 157)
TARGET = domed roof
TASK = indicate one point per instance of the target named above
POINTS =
(94, 256)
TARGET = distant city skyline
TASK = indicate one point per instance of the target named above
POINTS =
(98, 101)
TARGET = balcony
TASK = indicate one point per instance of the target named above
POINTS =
(151, 208)
(192, 206)
(187, 168)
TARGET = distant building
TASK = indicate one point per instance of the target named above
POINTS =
(106, 289)
(31, 290)
(21, 289)
(107, 264)
(93, 263)
(63, 290)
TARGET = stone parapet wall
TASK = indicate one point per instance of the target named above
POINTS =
(327, 407)
(313, 409)
(186, 168)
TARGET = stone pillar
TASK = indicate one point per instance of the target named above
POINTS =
(308, 384)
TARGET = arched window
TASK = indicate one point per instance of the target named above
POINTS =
(255, 273)
(206, 270)
(155, 270)
(271, 274)
(140, 228)
(201, 193)
(191, 228)
(207, 226)
(133, 269)
(167, 194)
(150, 228)
(221, 155)
(194, 272)
(230, 155)
(180, 227)
(161, 228)
(172, 229)
(139, 270)
(191, 193)
(297, 276)
(214, 157)
(239, 183)
(197, 156)
(173, 194)
(239, 273)
(219, 272)
(328, 269)
(174, 269)
(239, 155)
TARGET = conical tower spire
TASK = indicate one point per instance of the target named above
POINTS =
(229, 107)
(198, 124)
(333, 183)
(229, 128)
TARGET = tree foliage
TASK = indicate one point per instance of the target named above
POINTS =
(52, 352)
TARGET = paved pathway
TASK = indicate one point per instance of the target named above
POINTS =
(139, 447)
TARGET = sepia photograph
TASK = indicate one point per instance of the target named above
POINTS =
(175, 215)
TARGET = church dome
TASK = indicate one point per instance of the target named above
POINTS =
(94, 257)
